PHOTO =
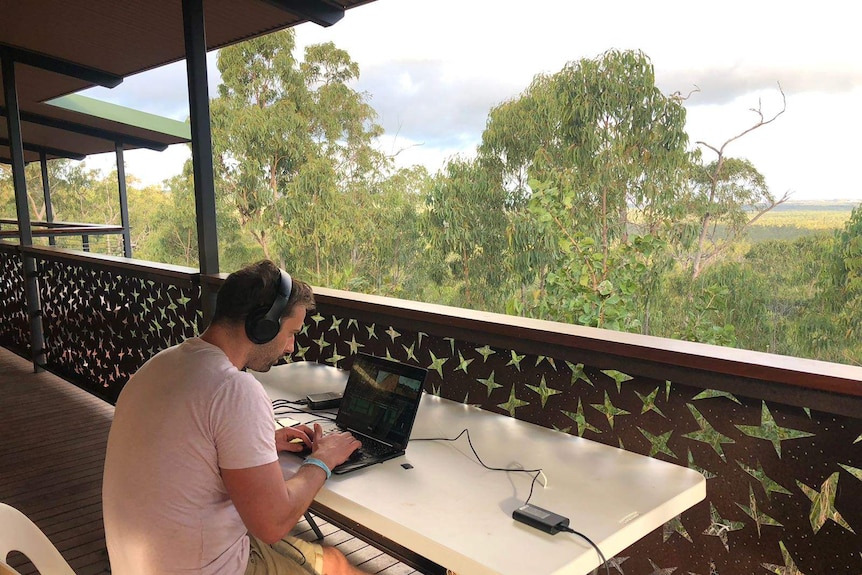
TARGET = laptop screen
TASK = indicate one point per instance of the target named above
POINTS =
(381, 399)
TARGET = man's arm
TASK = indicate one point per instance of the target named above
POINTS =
(270, 506)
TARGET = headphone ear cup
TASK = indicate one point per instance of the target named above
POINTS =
(259, 328)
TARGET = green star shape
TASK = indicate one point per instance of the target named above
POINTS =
(336, 325)
(485, 351)
(437, 363)
(609, 409)
(771, 431)
(489, 383)
(759, 517)
(516, 360)
(550, 360)
(513, 403)
(321, 342)
(823, 504)
(304, 330)
(372, 331)
(720, 527)
(656, 570)
(301, 351)
(649, 402)
(769, 484)
(854, 471)
(578, 373)
(581, 421)
(353, 322)
(617, 376)
(317, 318)
(710, 393)
(658, 443)
(354, 345)
(335, 358)
(789, 567)
(409, 351)
(463, 363)
(707, 433)
(675, 526)
(392, 333)
(544, 391)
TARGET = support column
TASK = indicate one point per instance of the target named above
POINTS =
(202, 156)
(124, 201)
(46, 193)
(25, 233)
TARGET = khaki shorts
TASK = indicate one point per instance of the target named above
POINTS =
(290, 556)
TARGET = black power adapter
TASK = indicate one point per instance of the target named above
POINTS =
(325, 400)
(541, 519)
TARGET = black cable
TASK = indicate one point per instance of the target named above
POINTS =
(280, 404)
(590, 541)
(482, 463)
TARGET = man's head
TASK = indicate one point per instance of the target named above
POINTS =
(268, 305)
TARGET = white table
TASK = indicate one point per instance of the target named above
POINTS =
(451, 510)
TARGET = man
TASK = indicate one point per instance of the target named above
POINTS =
(192, 481)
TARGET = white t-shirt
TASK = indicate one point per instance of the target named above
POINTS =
(184, 415)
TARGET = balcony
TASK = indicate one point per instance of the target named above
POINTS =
(778, 438)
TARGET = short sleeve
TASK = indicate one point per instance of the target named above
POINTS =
(242, 424)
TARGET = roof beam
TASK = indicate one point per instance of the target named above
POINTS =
(317, 11)
(86, 130)
(60, 66)
(48, 150)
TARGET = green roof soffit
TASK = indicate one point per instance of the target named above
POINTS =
(123, 115)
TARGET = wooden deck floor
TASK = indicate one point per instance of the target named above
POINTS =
(52, 451)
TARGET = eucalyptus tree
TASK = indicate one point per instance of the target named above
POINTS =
(294, 145)
(599, 154)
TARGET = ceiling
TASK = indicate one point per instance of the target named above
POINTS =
(118, 39)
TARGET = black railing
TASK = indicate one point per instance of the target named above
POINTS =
(778, 438)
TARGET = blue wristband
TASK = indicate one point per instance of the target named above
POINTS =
(318, 463)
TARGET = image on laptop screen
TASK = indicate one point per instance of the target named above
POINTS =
(381, 399)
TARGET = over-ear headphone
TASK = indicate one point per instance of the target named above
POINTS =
(262, 324)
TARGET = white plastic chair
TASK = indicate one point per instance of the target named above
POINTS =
(18, 533)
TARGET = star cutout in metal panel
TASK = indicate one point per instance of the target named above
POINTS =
(710, 393)
(544, 391)
(769, 484)
(658, 443)
(409, 351)
(353, 322)
(617, 376)
(656, 570)
(437, 363)
(516, 360)
(513, 403)
(485, 352)
(707, 433)
(334, 358)
(720, 526)
(579, 374)
(321, 342)
(372, 331)
(317, 318)
(541, 358)
(649, 402)
(489, 383)
(754, 512)
(823, 504)
(354, 345)
(854, 471)
(675, 526)
(392, 333)
(609, 409)
(579, 418)
(789, 567)
(463, 363)
(771, 431)
(336, 325)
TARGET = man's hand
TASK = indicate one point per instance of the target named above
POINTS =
(285, 436)
(334, 448)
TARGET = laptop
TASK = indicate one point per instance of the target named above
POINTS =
(379, 406)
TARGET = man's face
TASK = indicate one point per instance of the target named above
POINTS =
(264, 356)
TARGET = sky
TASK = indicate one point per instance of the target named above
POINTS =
(433, 69)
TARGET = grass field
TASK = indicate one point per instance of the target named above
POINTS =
(791, 220)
